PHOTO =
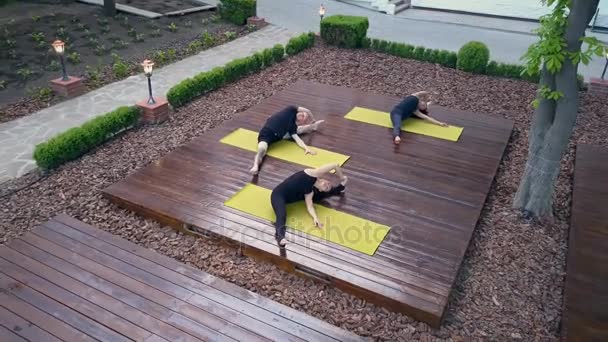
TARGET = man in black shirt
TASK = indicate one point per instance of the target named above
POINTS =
(285, 124)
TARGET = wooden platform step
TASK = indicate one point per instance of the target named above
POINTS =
(586, 295)
(68, 281)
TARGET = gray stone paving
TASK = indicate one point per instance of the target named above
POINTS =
(19, 137)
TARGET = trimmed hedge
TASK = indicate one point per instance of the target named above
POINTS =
(300, 43)
(473, 57)
(443, 57)
(344, 30)
(237, 11)
(190, 88)
(77, 141)
(510, 71)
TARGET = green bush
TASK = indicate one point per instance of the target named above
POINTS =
(237, 11)
(79, 140)
(120, 69)
(344, 31)
(268, 57)
(204, 82)
(473, 57)
(300, 43)
(278, 53)
(510, 71)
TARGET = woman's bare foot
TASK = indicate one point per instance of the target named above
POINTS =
(254, 170)
(397, 140)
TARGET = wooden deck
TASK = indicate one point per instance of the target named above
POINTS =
(68, 281)
(586, 295)
(430, 191)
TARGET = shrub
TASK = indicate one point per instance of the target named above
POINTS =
(159, 57)
(156, 33)
(344, 31)
(172, 27)
(190, 88)
(418, 53)
(79, 140)
(237, 11)
(230, 35)
(473, 57)
(54, 66)
(204, 82)
(510, 71)
(171, 54)
(278, 52)
(73, 57)
(300, 43)
(207, 39)
(25, 73)
(194, 46)
(448, 58)
(2, 84)
(120, 69)
(139, 38)
(268, 57)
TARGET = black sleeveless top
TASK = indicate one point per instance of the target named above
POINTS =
(295, 187)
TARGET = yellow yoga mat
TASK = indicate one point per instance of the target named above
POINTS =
(383, 119)
(286, 150)
(340, 228)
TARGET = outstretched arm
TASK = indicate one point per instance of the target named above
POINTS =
(301, 143)
(422, 95)
(429, 119)
(325, 169)
(311, 209)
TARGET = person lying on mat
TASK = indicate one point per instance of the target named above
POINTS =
(285, 124)
(416, 104)
(309, 185)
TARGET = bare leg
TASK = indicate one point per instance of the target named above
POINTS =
(259, 156)
(310, 128)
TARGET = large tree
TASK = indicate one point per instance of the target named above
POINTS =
(557, 55)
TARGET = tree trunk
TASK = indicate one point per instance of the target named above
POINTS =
(109, 7)
(553, 122)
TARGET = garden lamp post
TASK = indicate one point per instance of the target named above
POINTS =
(148, 65)
(605, 66)
(321, 12)
(59, 48)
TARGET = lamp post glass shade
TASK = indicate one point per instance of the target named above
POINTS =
(148, 66)
(59, 47)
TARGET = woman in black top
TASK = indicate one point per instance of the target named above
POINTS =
(287, 123)
(309, 185)
(416, 104)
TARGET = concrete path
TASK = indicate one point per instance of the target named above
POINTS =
(19, 137)
(507, 39)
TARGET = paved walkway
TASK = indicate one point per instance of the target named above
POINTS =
(507, 39)
(19, 137)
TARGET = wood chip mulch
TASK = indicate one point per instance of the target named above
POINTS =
(510, 286)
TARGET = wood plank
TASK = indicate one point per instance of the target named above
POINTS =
(43, 320)
(152, 315)
(586, 292)
(68, 315)
(430, 191)
(247, 299)
(96, 306)
(23, 328)
(6, 335)
(219, 321)
(264, 322)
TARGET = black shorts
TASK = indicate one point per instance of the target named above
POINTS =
(268, 136)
